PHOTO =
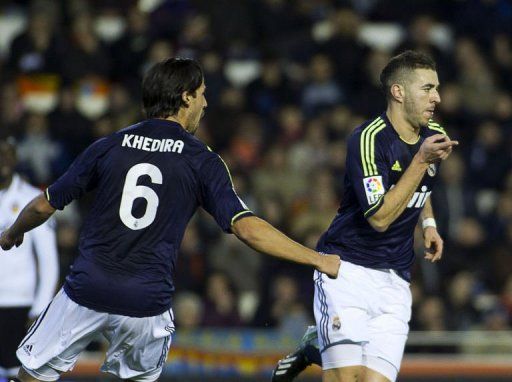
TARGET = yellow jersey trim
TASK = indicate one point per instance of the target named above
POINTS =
(367, 146)
(238, 215)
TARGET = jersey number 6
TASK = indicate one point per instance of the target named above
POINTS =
(132, 191)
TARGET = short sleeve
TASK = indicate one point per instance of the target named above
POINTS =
(79, 178)
(366, 168)
(218, 194)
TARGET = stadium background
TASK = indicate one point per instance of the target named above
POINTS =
(286, 83)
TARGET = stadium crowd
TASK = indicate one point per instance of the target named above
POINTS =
(287, 81)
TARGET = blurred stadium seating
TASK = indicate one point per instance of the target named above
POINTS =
(287, 82)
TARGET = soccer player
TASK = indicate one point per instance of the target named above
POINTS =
(149, 180)
(28, 275)
(392, 162)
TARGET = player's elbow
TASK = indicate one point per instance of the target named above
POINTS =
(41, 207)
(378, 224)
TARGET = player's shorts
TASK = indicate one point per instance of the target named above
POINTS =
(362, 318)
(138, 346)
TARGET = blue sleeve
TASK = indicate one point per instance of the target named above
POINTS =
(219, 197)
(367, 170)
(79, 178)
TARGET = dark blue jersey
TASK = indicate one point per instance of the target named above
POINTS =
(149, 180)
(376, 159)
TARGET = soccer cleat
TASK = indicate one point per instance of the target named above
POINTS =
(292, 365)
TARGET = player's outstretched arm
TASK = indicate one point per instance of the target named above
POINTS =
(434, 148)
(35, 213)
(263, 237)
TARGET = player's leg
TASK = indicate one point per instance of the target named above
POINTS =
(344, 374)
(341, 314)
(388, 331)
(128, 335)
(56, 339)
(12, 329)
(370, 375)
(346, 363)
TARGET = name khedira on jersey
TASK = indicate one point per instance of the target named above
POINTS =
(151, 144)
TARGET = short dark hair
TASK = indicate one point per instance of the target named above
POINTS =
(401, 65)
(164, 84)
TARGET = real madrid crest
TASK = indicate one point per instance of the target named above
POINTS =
(431, 170)
(336, 323)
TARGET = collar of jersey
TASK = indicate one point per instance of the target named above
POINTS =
(388, 123)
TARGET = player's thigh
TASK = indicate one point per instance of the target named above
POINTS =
(388, 330)
(370, 375)
(138, 346)
(340, 308)
(56, 339)
(343, 374)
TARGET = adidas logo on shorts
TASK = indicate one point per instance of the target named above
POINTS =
(28, 348)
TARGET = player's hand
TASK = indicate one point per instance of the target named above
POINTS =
(330, 265)
(433, 244)
(436, 147)
(7, 241)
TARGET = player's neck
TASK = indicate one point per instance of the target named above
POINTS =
(402, 126)
(179, 118)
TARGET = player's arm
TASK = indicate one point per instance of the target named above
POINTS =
(263, 237)
(220, 199)
(35, 213)
(394, 201)
(433, 241)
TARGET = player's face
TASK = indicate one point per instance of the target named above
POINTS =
(197, 107)
(421, 96)
(7, 161)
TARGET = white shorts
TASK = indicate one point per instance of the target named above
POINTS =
(362, 318)
(138, 346)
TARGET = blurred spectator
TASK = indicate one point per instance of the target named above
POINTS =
(38, 49)
(475, 78)
(38, 152)
(454, 197)
(284, 309)
(28, 274)
(462, 313)
(192, 261)
(321, 90)
(489, 157)
(85, 55)
(221, 304)
(188, 311)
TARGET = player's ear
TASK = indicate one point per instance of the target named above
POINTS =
(397, 91)
(185, 97)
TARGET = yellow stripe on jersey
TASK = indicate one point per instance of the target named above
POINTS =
(239, 214)
(225, 165)
(436, 126)
(227, 169)
(379, 202)
(367, 146)
(47, 194)
(362, 143)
